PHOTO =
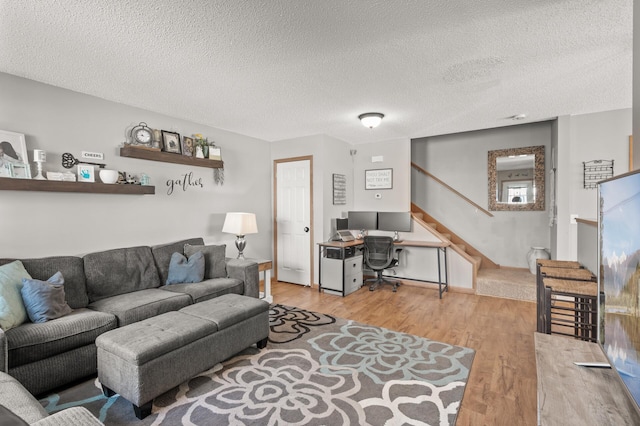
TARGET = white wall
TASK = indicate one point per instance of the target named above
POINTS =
(581, 138)
(55, 223)
(460, 160)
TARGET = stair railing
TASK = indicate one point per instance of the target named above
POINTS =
(423, 171)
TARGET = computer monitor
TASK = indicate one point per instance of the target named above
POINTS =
(363, 220)
(394, 221)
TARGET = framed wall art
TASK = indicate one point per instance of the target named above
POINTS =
(378, 179)
(13, 148)
(339, 189)
(171, 142)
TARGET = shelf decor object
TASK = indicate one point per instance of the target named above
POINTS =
(595, 171)
(240, 224)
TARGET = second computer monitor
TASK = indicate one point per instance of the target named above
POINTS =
(394, 221)
(363, 220)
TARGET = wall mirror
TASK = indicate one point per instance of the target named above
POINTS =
(516, 179)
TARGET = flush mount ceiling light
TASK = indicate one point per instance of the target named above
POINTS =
(371, 119)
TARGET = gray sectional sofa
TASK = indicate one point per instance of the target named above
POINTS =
(106, 290)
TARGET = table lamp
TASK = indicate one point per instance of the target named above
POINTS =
(240, 224)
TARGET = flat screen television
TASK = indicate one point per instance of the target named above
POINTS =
(394, 221)
(619, 276)
(363, 220)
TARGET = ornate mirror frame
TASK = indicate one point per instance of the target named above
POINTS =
(538, 178)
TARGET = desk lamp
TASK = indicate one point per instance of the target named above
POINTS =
(240, 224)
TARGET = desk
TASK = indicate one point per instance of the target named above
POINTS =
(439, 246)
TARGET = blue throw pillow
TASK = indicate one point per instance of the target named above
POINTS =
(44, 300)
(182, 270)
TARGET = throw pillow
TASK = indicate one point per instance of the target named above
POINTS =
(12, 311)
(214, 259)
(44, 300)
(183, 270)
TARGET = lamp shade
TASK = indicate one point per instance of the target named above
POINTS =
(371, 119)
(240, 223)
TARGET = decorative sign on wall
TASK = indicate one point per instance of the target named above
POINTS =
(184, 182)
(339, 189)
(378, 179)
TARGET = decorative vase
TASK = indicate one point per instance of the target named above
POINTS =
(205, 151)
(534, 254)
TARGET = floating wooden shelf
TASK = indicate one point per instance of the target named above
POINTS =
(168, 157)
(10, 184)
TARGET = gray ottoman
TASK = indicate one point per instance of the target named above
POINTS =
(143, 360)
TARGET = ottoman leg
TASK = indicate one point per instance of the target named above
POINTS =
(262, 343)
(107, 392)
(142, 411)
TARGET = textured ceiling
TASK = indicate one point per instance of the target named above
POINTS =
(279, 69)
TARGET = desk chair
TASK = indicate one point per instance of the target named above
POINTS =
(380, 254)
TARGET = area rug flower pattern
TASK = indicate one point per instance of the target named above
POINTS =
(316, 370)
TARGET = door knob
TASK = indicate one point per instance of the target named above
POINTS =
(306, 229)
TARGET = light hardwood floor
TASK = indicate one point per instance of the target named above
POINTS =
(502, 383)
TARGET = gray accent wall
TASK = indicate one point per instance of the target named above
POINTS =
(56, 223)
(460, 160)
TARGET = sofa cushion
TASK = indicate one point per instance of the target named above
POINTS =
(32, 342)
(208, 289)
(119, 271)
(215, 264)
(12, 311)
(15, 397)
(162, 254)
(183, 270)
(143, 304)
(72, 268)
(44, 300)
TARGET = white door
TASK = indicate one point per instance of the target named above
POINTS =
(293, 221)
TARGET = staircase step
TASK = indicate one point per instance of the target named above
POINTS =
(433, 225)
(418, 215)
(447, 236)
(478, 261)
(462, 247)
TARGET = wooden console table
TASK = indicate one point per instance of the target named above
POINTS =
(572, 395)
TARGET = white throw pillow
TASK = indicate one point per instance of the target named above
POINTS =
(12, 310)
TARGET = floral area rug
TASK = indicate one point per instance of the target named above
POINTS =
(316, 370)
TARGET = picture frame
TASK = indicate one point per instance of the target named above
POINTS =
(6, 170)
(188, 146)
(13, 148)
(215, 153)
(171, 142)
(86, 173)
(20, 171)
(156, 139)
(339, 189)
(378, 179)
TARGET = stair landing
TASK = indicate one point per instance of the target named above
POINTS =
(510, 283)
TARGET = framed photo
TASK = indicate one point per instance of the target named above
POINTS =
(378, 179)
(86, 173)
(21, 171)
(13, 148)
(215, 153)
(171, 142)
(6, 170)
(187, 146)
